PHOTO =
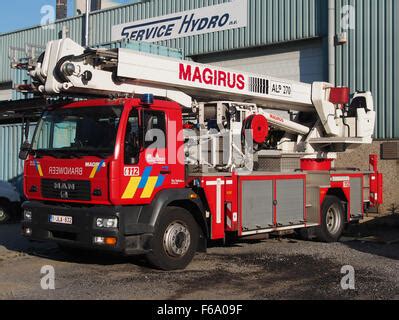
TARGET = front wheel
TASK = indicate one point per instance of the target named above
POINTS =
(333, 221)
(175, 241)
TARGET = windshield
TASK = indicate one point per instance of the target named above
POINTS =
(78, 131)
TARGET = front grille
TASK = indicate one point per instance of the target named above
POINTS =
(66, 190)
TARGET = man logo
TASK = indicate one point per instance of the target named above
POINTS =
(64, 186)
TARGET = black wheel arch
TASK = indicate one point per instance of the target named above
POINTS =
(176, 198)
(4, 201)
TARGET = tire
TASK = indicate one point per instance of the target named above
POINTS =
(175, 240)
(5, 213)
(333, 220)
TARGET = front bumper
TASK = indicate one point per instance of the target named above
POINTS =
(132, 237)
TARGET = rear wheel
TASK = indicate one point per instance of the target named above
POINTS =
(5, 213)
(333, 221)
(175, 241)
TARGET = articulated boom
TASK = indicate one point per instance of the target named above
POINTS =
(68, 68)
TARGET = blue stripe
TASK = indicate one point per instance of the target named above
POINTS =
(160, 181)
(144, 178)
(100, 166)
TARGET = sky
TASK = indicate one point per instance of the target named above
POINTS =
(19, 14)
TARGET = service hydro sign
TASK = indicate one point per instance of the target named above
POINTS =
(230, 15)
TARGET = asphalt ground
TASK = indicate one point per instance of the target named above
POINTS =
(278, 268)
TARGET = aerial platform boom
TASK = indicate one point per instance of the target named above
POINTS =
(68, 68)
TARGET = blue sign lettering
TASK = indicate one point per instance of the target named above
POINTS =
(229, 15)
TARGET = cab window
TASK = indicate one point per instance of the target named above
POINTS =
(132, 138)
(154, 129)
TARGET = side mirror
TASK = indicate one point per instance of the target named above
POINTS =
(25, 150)
(26, 130)
(26, 146)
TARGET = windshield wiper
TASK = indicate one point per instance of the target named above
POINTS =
(96, 153)
(59, 154)
(72, 153)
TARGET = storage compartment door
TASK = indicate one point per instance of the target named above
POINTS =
(290, 202)
(257, 205)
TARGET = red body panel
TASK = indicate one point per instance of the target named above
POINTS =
(340, 95)
(376, 182)
(316, 164)
(66, 170)
(215, 192)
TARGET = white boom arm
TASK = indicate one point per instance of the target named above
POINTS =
(69, 68)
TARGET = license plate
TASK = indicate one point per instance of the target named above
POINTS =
(61, 219)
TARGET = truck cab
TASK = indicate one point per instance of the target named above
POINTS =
(99, 173)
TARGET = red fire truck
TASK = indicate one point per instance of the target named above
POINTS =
(172, 154)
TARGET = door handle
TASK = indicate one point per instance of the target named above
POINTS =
(166, 172)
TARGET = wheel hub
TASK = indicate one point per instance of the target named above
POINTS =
(176, 239)
(333, 219)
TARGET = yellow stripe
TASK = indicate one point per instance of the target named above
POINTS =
(149, 188)
(39, 168)
(93, 172)
(131, 188)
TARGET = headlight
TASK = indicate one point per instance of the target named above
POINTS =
(110, 241)
(27, 215)
(107, 223)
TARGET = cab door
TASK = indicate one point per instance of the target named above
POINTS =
(146, 170)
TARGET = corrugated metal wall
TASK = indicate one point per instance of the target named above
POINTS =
(10, 142)
(270, 22)
(370, 60)
(20, 77)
